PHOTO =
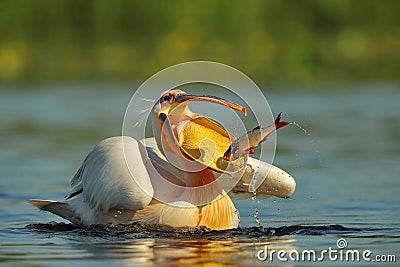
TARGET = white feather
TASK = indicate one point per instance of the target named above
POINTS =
(142, 113)
(106, 182)
(263, 180)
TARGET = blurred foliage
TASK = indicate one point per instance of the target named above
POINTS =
(272, 40)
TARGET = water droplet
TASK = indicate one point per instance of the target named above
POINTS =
(257, 218)
(252, 189)
(304, 130)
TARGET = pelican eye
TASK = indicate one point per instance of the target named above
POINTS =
(166, 97)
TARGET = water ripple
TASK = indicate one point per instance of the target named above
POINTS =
(137, 231)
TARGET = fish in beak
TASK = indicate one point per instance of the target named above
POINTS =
(252, 139)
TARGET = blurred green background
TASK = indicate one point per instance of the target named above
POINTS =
(295, 42)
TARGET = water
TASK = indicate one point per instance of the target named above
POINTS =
(346, 167)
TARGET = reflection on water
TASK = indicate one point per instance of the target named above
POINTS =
(138, 244)
(346, 171)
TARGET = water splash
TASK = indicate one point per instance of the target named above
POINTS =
(315, 141)
(301, 128)
(252, 189)
(142, 112)
(136, 230)
(148, 100)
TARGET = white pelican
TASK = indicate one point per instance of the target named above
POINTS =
(123, 180)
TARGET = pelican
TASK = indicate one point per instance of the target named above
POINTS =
(173, 178)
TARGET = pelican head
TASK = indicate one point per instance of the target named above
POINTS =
(171, 115)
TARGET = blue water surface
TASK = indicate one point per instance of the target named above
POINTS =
(345, 162)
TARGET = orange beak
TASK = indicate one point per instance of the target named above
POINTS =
(212, 99)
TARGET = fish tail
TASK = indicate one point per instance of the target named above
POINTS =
(251, 151)
(279, 123)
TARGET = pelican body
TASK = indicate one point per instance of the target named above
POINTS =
(122, 180)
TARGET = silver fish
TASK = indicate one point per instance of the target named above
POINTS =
(252, 139)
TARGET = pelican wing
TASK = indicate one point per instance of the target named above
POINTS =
(104, 180)
(263, 180)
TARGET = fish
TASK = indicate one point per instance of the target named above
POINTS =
(246, 143)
